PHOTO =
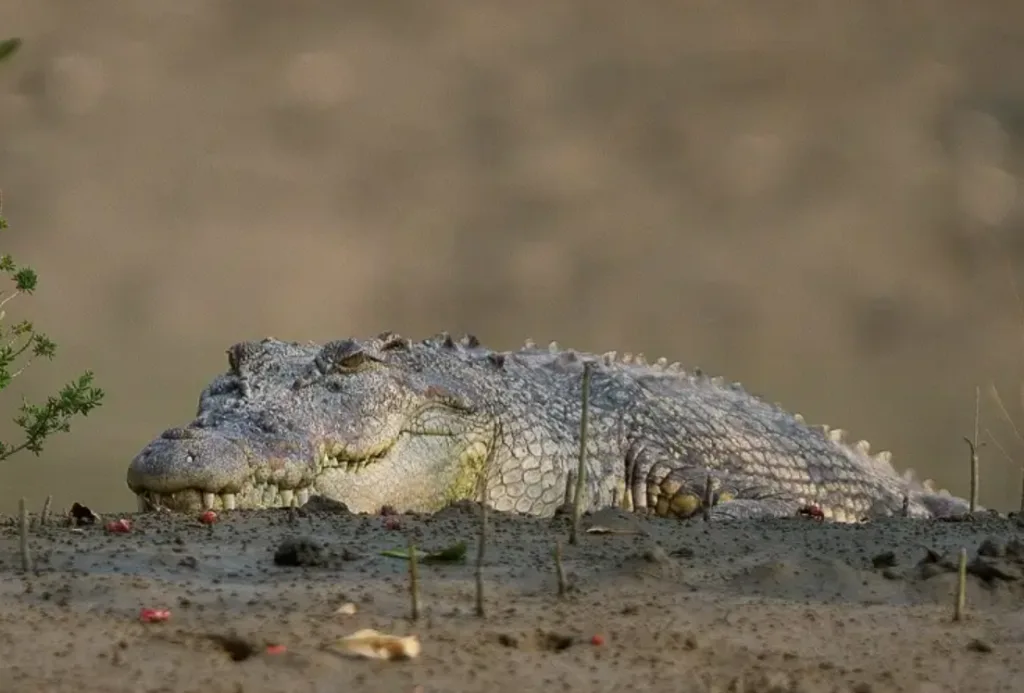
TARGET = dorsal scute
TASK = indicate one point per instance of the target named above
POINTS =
(566, 358)
(391, 341)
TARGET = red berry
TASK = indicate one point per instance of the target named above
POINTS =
(392, 523)
(208, 517)
(154, 615)
(276, 649)
(119, 526)
(597, 640)
(812, 511)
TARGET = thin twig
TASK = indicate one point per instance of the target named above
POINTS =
(5, 299)
(414, 582)
(999, 446)
(974, 473)
(26, 557)
(975, 481)
(706, 501)
(961, 588)
(482, 542)
(905, 507)
(581, 471)
(559, 572)
(44, 516)
(627, 494)
(570, 484)
(1006, 414)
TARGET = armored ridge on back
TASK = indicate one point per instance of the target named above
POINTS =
(412, 425)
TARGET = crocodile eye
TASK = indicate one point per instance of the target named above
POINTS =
(342, 356)
(352, 361)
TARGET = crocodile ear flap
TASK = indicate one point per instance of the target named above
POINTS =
(394, 342)
(343, 356)
(352, 362)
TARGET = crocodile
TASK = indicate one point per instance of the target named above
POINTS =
(418, 425)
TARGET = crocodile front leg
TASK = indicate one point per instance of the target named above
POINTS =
(675, 484)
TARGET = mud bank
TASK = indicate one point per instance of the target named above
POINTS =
(785, 605)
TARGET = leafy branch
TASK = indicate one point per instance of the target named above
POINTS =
(22, 341)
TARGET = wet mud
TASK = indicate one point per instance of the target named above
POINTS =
(259, 600)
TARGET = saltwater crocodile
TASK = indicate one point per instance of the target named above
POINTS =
(390, 422)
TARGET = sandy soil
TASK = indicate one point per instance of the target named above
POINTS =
(791, 605)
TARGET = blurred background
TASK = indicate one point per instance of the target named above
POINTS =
(821, 200)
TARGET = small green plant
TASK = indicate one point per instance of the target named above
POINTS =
(79, 397)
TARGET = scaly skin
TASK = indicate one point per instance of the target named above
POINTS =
(385, 421)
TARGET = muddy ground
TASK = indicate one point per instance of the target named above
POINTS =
(790, 605)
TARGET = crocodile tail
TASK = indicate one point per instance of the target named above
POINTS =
(939, 501)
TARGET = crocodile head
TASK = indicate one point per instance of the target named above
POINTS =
(362, 422)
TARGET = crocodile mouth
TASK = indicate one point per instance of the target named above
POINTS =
(251, 496)
(337, 456)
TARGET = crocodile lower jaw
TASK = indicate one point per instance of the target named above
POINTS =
(260, 496)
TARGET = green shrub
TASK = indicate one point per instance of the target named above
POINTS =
(37, 421)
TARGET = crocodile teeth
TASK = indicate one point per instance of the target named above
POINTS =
(269, 495)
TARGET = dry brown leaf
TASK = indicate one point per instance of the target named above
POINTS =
(346, 609)
(372, 644)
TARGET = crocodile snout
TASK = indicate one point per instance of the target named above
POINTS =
(189, 459)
